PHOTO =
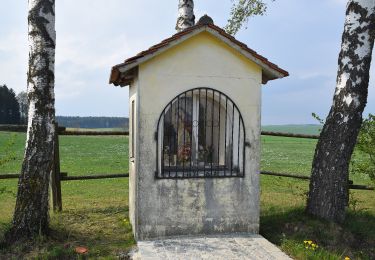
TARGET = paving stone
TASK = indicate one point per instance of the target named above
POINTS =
(225, 247)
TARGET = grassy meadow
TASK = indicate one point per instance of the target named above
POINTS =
(95, 212)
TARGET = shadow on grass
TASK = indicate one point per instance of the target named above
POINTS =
(105, 231)
(290, 228)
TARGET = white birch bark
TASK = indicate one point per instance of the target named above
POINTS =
(186, 16)
(31, 212)
(328, 195)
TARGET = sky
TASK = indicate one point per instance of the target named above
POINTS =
(301, 36)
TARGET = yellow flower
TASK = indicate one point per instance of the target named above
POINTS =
(347, 258)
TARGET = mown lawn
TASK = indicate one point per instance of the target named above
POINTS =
(95, 212)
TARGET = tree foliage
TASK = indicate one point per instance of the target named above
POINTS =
(241, 11)
(9, 109)
(365, 148)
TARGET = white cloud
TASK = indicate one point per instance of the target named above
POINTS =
(93, 35)
(13, 60)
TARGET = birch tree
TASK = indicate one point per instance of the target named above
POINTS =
(31, 212)
(186, 16)
(328, 194)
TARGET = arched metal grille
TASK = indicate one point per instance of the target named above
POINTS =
(200, 134)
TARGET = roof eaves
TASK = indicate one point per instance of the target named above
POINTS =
(154, 51)
(270, 70)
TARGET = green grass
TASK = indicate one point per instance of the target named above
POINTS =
(95, 215)
(285, 154)
(294, 155)
(95, 212)
(82, 155)
(284, 223)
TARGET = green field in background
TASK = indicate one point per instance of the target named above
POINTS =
(79, 155)
(295, 129)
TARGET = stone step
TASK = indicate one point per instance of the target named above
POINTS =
(226, 247)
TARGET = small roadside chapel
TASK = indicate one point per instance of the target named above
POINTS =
(194, 133)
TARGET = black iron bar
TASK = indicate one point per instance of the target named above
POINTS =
(162, 143)
(243, 147)
(218, 136)
(205, 134)
(212, 129)
(184, 146)
(231, 163)
(199, 121)
(225, 144)
(170, 138)
(177, 141)
(238, 143)
(191, 126)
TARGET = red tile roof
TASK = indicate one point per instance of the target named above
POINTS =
(116, 78)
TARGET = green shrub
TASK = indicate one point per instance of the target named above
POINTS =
(363, 161)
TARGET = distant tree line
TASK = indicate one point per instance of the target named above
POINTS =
(14, 110)
(9, 107)
(93, 122)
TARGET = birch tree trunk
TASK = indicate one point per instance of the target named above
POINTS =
(328, 195)
(186, 16)
(31, 213)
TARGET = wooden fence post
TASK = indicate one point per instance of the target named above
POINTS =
(56, 175)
